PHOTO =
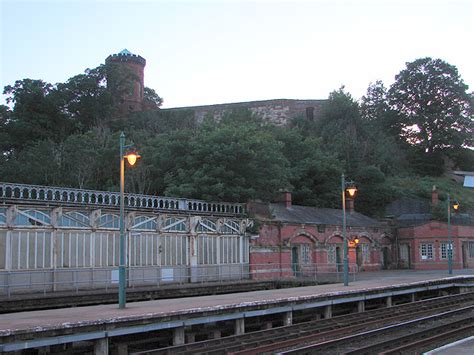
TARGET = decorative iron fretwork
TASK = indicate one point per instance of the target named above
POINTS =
(78, 197)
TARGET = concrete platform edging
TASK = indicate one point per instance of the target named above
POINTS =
(202, 312)
(62, 339)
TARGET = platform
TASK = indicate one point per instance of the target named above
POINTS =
(461, 347)
(51, 327)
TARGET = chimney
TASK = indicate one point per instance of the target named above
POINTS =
(285, 196)
(434, 196)
(350, 205)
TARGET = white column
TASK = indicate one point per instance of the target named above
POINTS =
(178, 336)
(101, 346)
(241, 244)
(216, 334)
(8, 251)
(327, 312)
(122, 349)
(239, 326)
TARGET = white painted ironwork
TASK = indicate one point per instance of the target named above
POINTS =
(174, 224)
(3, 216)
(48, 235)
(68, 196)
(206, 226)
(231, 227)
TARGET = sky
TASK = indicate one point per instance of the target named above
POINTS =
(206, 52)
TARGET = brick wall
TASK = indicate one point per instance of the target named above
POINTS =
(275, 241)
(435, 233)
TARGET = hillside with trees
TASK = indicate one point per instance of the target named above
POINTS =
(394, 142)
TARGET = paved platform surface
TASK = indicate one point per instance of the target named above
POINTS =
(461, 347)
(70, 317)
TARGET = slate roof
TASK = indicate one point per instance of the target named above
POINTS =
(414, 212)
(313, 215)
(408, 206)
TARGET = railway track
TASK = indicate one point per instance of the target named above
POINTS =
(419, 334)
(320, 331)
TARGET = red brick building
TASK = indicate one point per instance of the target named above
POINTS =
(423, 243)
(425, 246)
(293, 240)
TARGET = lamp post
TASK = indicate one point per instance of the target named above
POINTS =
(450, 245)
(351, 190)
(131, 158)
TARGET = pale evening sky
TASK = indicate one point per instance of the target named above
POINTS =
(207, 52)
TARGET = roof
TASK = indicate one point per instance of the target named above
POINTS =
(125, 52)
(408, 206)
(407, 221)
(410, 212)
(314, 215)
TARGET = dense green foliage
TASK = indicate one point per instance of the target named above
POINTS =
(394, 142)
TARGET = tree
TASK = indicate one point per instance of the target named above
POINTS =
(434, 106)
(38, 163)
(343, 131)
(234, 160)
(36, 114)
(376, 111)
(90, 160)
(151, 98)
(374, 193)
(386, 149)
(85, 99)
(314, 174)
(5, 138)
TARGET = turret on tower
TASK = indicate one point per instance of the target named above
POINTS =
(125, 79)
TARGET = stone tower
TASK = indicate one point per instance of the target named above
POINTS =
(125, 78)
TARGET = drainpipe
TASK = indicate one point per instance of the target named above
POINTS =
(281, 247)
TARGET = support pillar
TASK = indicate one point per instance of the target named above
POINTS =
(288, 318)
(361, 306)
(178, 336)
(216, 334)
(45, 350)
(413, 297)
(101, 346)
(328, 312)
(239, 327)
(122, 349)
(388, 301)
(193, 261)
(190, 338)
(267, 325)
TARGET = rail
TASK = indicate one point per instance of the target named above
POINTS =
(322, 331)
(74, 197)
(49, 281)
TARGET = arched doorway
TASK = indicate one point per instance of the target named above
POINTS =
(405, 260)
(359, 256)
(385, 258)
(294, 260)
(339, 258)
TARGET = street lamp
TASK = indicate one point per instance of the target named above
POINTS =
(351, 190)
(132, 156)
(450, 245)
